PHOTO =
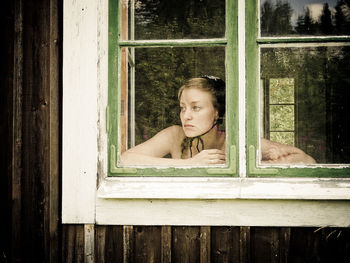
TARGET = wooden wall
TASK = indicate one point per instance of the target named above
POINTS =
(31, 107)
(209, 244)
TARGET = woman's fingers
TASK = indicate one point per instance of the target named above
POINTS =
(216, 156)
(211, 156)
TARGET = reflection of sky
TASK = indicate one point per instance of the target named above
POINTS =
(299, 7)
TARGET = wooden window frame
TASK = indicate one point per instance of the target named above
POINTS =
(254, 42)
(90, 196)
(117, 36)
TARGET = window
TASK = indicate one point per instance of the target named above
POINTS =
(154, 47)
(299, 51)
(264, 70)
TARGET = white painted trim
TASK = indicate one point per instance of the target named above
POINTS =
(80, 93)
(225, 188)
(223, 212)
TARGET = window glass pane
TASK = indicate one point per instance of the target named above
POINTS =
(321, 78)
(155, 76)
(175, 19)
(304, 17)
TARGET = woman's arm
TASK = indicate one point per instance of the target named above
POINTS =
(273, 152)
(169, 140)
(152, 151)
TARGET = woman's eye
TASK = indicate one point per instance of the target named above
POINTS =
(196, 108)
(182, 108)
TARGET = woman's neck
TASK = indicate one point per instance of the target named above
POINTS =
(213, 139)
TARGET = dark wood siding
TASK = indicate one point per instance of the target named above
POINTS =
(223, 244)
(31, 88)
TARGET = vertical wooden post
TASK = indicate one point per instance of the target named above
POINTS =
(89, 243)
(128, 244)
(205, 244)
(244, 241)
(16, 165)
(55, 86)
(285, 243)
(166, 244)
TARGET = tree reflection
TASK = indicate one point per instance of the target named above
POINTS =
(276, 19)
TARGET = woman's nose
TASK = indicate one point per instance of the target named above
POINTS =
(187, 114)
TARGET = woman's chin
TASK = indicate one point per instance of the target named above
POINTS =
(191, 134)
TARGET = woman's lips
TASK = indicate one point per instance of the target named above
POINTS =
(188, 126)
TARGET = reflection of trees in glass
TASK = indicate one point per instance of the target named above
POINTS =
(342, 17)
(305, 24)
(156, 19)
(322, 82)
(326, 21)
(276, 19)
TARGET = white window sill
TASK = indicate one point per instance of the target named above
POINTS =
(225, 188)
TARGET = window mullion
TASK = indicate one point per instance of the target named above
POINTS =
(241, 90)
(173, 42)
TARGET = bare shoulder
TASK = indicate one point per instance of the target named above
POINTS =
(176, 133)
(176, 130)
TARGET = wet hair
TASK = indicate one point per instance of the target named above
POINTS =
(215, 86)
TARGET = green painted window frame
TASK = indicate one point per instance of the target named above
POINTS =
(253, 43)
(115, 44)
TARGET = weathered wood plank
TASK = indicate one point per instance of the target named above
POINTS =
(147, 246)
(100, 243)
(205, 243)
(89, 243)
(186, 245)
(35, 182)
(265, 244)
(128, 244)
(108, 244)
(284, 243)
(225, 244)
(244, 245)
(114, 244)
(73, 243)
(16, 129)
(166, 238)
(55, 125)
(319, 245)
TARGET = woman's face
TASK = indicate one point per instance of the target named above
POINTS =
(197, 111)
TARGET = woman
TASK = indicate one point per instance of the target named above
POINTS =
(199, 141)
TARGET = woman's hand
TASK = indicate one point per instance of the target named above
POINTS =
(208, 157)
